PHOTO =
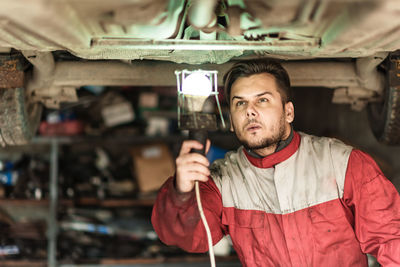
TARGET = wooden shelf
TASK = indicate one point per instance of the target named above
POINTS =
(24, 202)
(122, 139)
(108, 203)
(19, 263)
(114, 139)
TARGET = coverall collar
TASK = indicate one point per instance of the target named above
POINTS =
(276, 157)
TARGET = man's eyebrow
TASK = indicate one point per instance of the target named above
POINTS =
(264, 93)
(238, 97)
(257, 95)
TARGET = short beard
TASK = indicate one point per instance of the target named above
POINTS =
(268, 141)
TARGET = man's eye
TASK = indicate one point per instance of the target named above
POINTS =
(263, 100)
(240, 103)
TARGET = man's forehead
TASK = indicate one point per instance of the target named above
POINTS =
(254, 85)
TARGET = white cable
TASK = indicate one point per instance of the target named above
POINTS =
(203, 218)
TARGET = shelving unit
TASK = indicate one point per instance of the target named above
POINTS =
(108, 203)
(19, 263)
(53, 202)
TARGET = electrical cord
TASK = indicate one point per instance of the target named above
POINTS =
(204, 220)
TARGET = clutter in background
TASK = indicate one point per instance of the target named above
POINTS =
(90, 176)
(107, 179)
(124, 111)
(153, 164)
(61, 123)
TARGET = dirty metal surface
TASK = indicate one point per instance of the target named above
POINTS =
(11, 73)
(197, 121)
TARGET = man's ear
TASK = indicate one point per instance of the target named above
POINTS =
(289, 112)
(230, 123)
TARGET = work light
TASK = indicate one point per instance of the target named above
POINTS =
(194, 89)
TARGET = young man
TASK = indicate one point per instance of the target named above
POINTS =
(285, 198)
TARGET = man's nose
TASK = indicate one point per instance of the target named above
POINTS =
(251, 111)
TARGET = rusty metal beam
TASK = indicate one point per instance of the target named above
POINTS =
(152, 73)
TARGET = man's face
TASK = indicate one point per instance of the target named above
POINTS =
(258, 117)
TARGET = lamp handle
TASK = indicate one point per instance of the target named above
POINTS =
(201, 136)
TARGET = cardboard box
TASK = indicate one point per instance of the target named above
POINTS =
(153, 164)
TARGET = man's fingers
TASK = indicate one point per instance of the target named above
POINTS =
(208, 144)
(195, 168)
(189, 145)
(192, 158)
(187, 184)
(191, 166)
(196, 176)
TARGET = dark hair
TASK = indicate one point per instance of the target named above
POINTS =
(256, 66)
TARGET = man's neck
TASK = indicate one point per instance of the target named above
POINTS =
(261, 153)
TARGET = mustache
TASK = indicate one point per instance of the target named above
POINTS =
(251, 121)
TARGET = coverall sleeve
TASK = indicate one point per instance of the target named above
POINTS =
(375, 204)
(177, 221)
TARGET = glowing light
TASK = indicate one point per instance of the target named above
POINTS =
(197, 84)
(194, 87)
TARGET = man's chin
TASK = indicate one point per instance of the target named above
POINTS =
(253, 145)
(250, 143)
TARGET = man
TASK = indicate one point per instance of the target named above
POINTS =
(285, 198)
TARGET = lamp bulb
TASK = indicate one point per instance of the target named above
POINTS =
(197, 84)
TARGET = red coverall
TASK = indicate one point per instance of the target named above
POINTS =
(363, 218)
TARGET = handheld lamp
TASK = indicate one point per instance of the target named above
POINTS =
(194, 88)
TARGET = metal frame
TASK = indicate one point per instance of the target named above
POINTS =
(52, 220)
(181, 75)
